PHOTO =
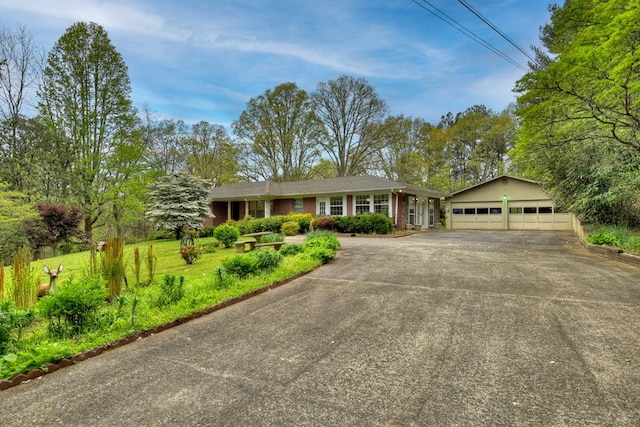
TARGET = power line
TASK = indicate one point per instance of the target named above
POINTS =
(458, 26)
(496, 29)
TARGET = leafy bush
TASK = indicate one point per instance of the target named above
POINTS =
(240, 265)
(266, 259)
(191, 253)
(5, 329)
(321, 245)
(291, 249)
(619, 237)
(321, 238)
(374, 223)
(290, 228)
(303, 220)
(272, 238)
(171, 291)
(226, 234)
(160, 235)
(72, 307)
(208, 231)
(210, 248)
(13, 321)
(322, 254)
(364, 223)
(346, 224)
(323, 223)
(222, 278)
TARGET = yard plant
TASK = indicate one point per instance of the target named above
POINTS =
(77, 316)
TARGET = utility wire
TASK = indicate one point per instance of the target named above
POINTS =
(458, 26)
(496, 29)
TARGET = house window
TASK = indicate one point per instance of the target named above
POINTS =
(322, 207)
(495, 211)
(482, 211)
(335, 206)
(530, 210)
(381, 203)
(545, 209)
(256, 208)
(362, 204)
(469, 211)
(515, 210)
(298, 206)
(457, 211)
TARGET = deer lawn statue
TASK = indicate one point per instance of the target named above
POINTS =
(53, 280)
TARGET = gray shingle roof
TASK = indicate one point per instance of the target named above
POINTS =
(347, 184)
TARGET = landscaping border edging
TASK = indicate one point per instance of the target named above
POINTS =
(614, 253)
(52, 367)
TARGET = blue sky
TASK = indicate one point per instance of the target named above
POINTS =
(204, 59)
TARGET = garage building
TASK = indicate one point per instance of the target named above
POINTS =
(505, 203)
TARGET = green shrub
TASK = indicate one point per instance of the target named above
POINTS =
(321, 238)
(266, 259)
(322, 254)
(290, 228)
(160, 235)
(291, 249)
(272, 238)
(222, 278)
(323, 223)
(303, 220)
(346, 224)
(72, 307)
(210, 248)
(364, 223)
(171, 291)
(208, 231)
(226, 234)
(5, 329)
(240, 265)
(374, 223)
(13, 322)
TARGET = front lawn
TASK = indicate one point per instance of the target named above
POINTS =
(177, 290)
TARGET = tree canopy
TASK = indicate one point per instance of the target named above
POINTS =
(179, 200)
(85, 100)
(580, 110)
(283, 133)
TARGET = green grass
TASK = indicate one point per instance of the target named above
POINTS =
(120, 318)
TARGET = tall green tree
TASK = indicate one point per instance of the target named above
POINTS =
(20, 67)
(351, 111)
(281, 131)
(211, 154)
(85, 100)
(400, 156)
(581, 101)
(177, 201)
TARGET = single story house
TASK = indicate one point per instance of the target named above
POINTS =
(505, 203)
(408, 205)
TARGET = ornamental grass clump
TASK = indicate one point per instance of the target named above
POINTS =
(113, 269)
(24, 292)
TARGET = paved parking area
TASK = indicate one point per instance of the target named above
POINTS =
(439, 328)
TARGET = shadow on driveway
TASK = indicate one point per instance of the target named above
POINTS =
(439, 328)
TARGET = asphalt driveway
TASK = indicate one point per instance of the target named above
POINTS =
(436, 329)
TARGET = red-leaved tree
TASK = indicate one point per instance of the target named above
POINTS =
(57, 224)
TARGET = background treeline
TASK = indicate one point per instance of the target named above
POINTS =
(70, 134)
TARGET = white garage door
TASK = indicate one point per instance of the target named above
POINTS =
(514, 215)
